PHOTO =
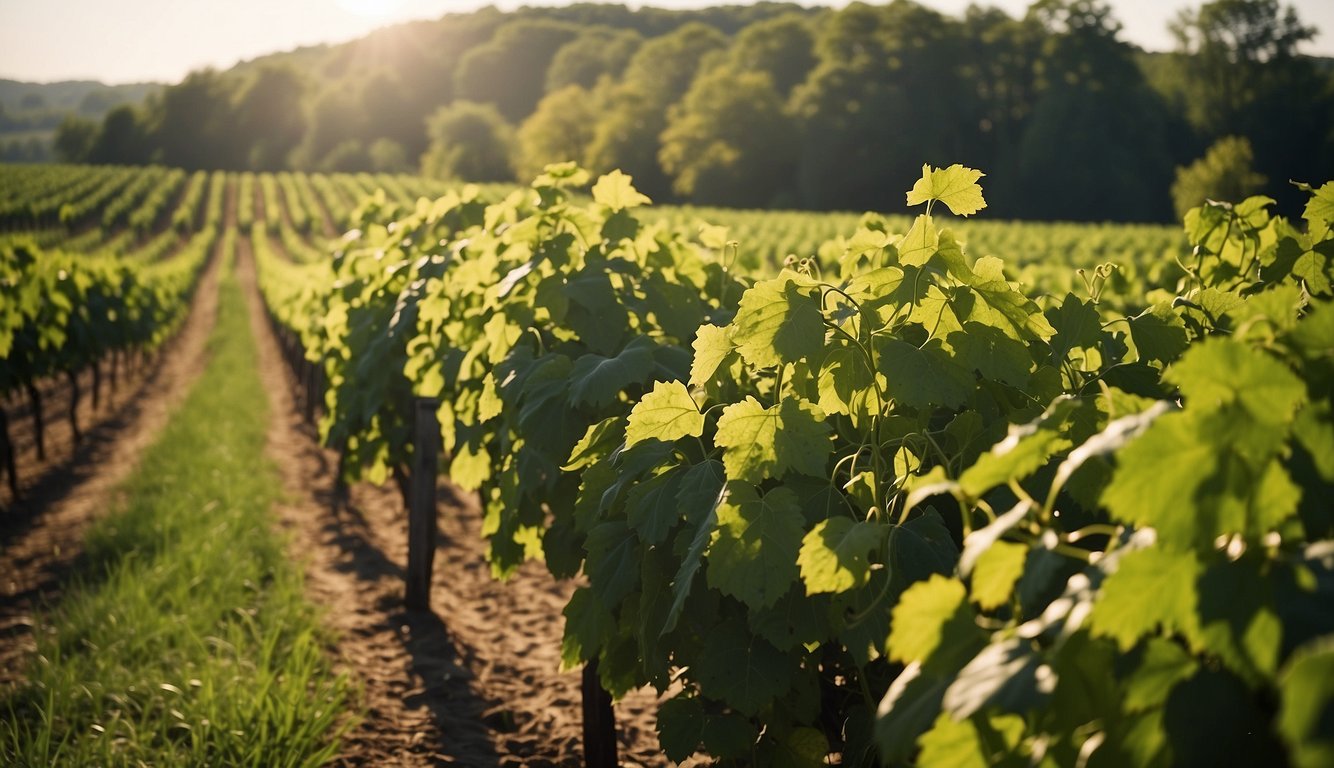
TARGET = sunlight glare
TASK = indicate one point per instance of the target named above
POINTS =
(370, 8)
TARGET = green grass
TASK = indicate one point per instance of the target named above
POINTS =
(185, 638)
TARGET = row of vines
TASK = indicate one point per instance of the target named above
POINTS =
(888, 504)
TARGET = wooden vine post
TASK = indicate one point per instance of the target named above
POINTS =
(599, 721)
(422, 506)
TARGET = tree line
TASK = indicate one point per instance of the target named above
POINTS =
(775, 105)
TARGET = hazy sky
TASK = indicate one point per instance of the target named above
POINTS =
(120, 41)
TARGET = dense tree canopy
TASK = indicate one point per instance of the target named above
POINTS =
(769, 104)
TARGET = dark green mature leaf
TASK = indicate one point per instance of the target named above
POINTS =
(684, 726)
(762, 443)
(778, 321)
(652, 508)
(753, 555)
(792, 621)
(613, 562)
(1077, 325)
(742, 670)
(596, 380)
(702, 511)
(835, 554)
(907, 710)
(1158, 334)
(921, 378)
(588, 625)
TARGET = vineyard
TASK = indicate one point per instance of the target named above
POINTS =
(809, 488)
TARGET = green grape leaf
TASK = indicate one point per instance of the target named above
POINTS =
(846, 383)
(753, 554)
(1319, 212)
(1237, 619)
(596, 380)
(1195, 476)
(778, 321)
(1158, 334)
(762, 443)
(1152, 588)
(1019, 455)
(1306, 686)
(612, 563)
(1163, 664)
(992, 353)
(920, 244)
(802, 748)
(712, 346)
(955, 186)
(931, 616)
(683, 726)
(793, 621)
(961, 744)
(835, 554)
(921, 378)
(667, 413)
(742, 670)
(996, 573)
(470, 468)
(907, 710)
(1077, 326)
(588, 626)
(616, 191)
(1218, 372)
(597, 444)
(704, 521)
(651, 507)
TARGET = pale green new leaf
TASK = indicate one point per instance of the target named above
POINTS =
(616, 191)
(712, 345)
(762, 443)
(955, 186)
(778, 321)
(667, 413)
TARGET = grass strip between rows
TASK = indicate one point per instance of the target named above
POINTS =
(185, 638)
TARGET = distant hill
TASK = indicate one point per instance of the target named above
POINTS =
(85, 97)
(30, 112)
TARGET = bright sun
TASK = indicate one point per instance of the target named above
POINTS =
(370, 8)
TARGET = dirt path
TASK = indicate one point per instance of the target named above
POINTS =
(476, 681)
(43, 534)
